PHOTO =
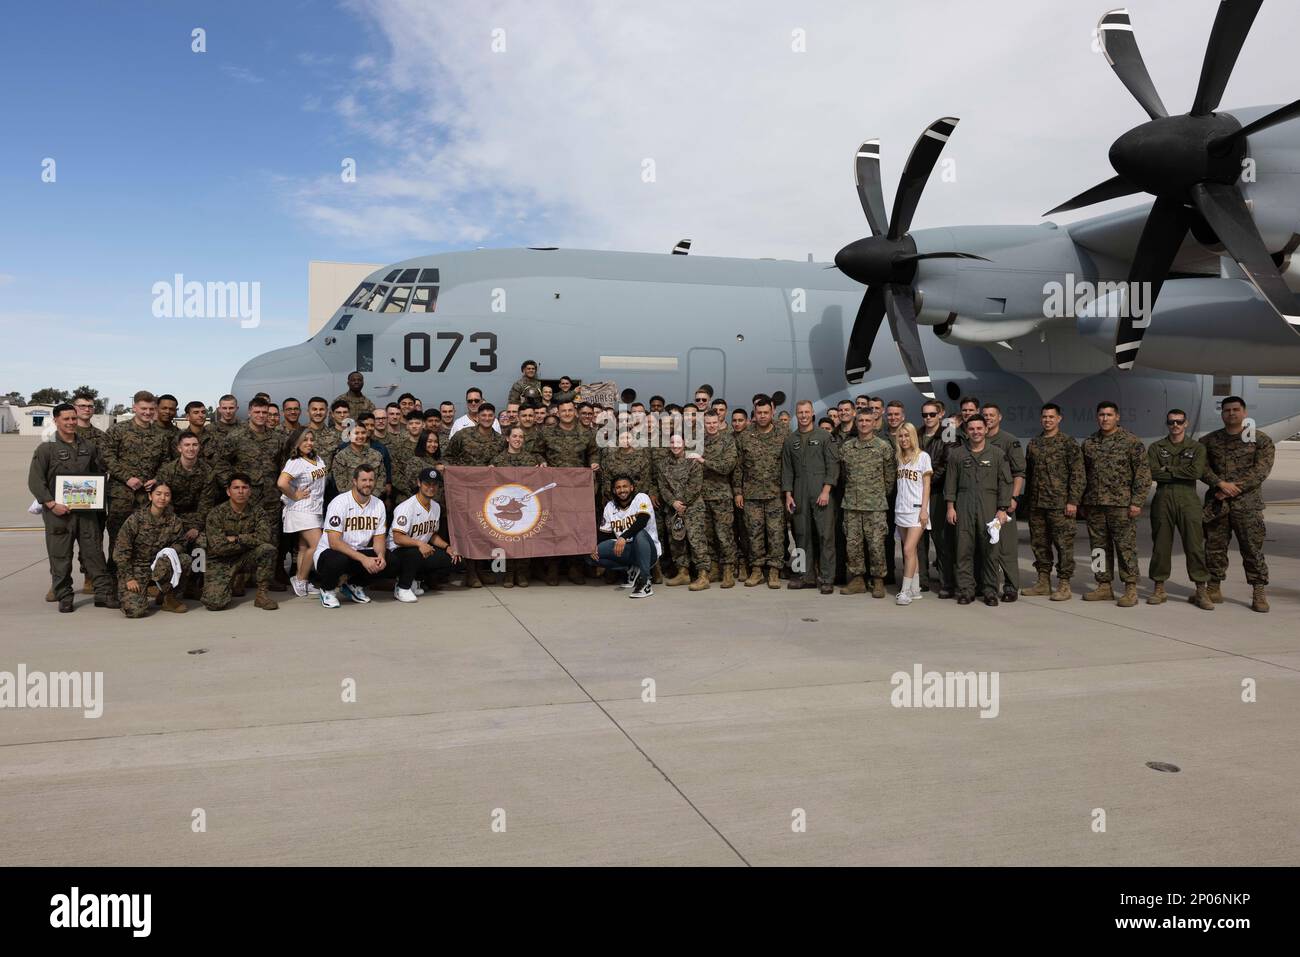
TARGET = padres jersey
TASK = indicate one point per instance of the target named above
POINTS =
(359, 524)
(618, 520)
(308, 475)
(415, 521)
(911, 487)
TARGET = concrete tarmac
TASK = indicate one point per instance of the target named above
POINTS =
(508, 726)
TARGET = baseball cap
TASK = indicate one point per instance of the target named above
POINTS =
(428, 475)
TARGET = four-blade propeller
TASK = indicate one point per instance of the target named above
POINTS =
(886, 260)
(1187, 160)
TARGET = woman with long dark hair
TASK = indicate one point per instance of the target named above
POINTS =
(302, 488)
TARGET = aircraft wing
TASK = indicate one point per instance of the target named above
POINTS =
(1115, 236)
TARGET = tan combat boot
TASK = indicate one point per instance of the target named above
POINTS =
(877, 588)
(1201, 599)
(1159, 596)
(1212, 589)
(508, 578)
(1101, 593)
(1130, 596)
(553, 571)
(171, 603)
(854, 586)
(1041, 587)
(701, 581)
(264, 600)
(1062, 592)
(715, 572)
(728, 579)
(683, 577)
(656, 574)
(755, 577)
(88, 587)
(1257, 601)
(521, 574)
(49, 595)
(774, 578)
(742, 570)
(471, 574)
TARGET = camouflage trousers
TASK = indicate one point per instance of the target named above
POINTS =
(1177, 508)
(869, 528)
(719, 518)
(219, 576)
(121, 503)
(1050, 529)
(765, 519)
(136, 604)
(696, 543)
(1112, 533)
(1248, 526)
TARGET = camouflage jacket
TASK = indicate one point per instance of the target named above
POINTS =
(1183, 464)
(327, 440)
(720, 458)
(170, 434)
(406, 468)
(194, 493)
(573, 449)
(1117, 469)
(1054, 474)
(636, 464)
(522, 385)
(132, 452)
(348, 458)
(142, 537)
(356, 405)
(679, 480)
(505, 459)
(870, 471)
(92, 434)
(259, 456)
(472, 446)
(250, 528)
(760, 462)
(1248, 464)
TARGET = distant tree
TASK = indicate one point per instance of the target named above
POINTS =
(86, 392)
(50, 396)
(118, 410)
(13, 398)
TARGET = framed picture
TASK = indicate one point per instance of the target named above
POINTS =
(79, 491)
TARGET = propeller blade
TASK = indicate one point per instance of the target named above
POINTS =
(858, 358)
(1113, 188)
(1119, 43)
(1225, 210)
(1231, 25)
(1280, 115)
(1166, 225)
(902, 323)
(866, 176)
(917, 257)
(920, 163)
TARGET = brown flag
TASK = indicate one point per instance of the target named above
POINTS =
(526, 512)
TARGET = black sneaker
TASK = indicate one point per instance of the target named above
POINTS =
(642, 588)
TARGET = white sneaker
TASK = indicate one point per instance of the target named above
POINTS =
(312, 589)
(642, 589)
(903, 598)
(355, 593)
(299, 587)
(417, 588)
(329, 599)
(632, 574)
(404, 594)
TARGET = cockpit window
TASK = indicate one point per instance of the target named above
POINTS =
(408, 275)
(343, 322)
(429, 276)
(425, 298)
(359, 296)
(392, 275)
(397, 301)
(377, 301)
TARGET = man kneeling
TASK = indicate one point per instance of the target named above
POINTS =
(151, 548)
(415, 547)
(239, 546)
(628, 537)
(354, 543)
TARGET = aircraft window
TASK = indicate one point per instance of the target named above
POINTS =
(429, 275)
(408, 275)
(365, 353)
(397, 301)
(342, 323)
(359, 296)
(425, 299)
(377, 302)
(392, 275)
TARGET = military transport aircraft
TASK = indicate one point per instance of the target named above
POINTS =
(1018, 315)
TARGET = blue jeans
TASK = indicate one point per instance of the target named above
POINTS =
(639, 551)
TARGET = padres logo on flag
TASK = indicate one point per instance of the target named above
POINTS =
(525, 512)
(514, 509)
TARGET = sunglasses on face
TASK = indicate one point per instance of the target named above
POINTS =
(929, 415)
(1175, 421)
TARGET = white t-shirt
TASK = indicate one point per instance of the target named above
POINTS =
(358, 523)
(910, 487)
(306, 475)
(415, 521)
(464, 422)
(619, 520)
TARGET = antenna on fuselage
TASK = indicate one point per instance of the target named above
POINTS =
(682, 248)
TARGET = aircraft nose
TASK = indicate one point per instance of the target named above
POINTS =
(282, 372)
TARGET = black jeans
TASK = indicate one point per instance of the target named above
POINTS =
(333, 565)
(412, 566)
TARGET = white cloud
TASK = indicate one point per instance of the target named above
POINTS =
(752, 142)
(240, 73)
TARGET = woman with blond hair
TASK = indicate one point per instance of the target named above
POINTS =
(912, 507)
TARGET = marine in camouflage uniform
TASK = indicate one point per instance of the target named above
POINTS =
(258, 454)
(1008, 547)
(357, 403)
(217, 433)
(635, 463)
(347, 459)
(1176, 468)
(131, 451)
(809, 466)
(194, 493)
(327, 440)
(524, 386)
(720, 458)
(406, 468)
(760, 464)
(523, 459)
(681, 479)
(1055, 478)
(142, 536)
(170, 435)
(1118, 477)
(250, 554)
(870, 469)
(1229, 458)
(474, 446)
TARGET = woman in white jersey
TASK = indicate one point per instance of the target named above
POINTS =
(911, 508)
(302, 487)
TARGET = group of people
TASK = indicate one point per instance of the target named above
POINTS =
(353, 494)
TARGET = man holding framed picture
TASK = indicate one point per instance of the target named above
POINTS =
(67, 455)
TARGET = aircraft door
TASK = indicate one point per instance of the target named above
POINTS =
(706, 365)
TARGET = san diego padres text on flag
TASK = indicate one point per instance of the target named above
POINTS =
(526, 513)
